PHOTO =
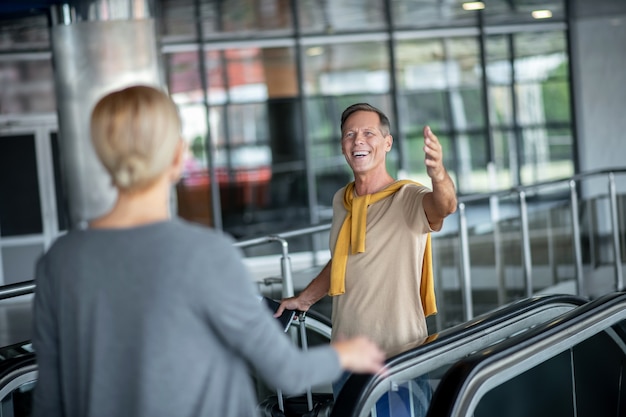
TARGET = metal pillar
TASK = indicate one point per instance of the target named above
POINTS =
(97, 47)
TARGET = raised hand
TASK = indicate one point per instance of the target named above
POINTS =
(433, 156)
(442, 201)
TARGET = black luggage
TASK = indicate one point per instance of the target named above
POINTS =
(305, 405)
(297, 406)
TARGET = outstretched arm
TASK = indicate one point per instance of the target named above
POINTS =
(314, 292)
(442, 201)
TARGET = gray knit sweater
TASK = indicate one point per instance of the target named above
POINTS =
(158, 320)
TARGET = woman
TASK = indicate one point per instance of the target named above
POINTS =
(145, 315)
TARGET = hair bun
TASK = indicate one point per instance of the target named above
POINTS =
(130, 172)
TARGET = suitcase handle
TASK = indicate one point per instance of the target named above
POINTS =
(305, 345)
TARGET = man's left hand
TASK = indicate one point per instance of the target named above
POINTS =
(433, 156)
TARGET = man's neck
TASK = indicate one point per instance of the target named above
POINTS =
(364, 184)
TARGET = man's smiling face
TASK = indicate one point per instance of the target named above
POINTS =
(363, 144)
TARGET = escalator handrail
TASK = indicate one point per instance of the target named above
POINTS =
(360, 387)
(16, 376)
(457, 391)
(17, 289)
(486, 321)
(12, 370)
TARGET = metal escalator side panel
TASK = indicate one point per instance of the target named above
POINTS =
(361, 391)
(469, 380)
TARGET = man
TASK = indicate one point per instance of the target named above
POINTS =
(380, 239)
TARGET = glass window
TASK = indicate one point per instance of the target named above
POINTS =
(499, 78)
(248, 125)
(183, 76)
(443, 65)
(343, 69)
(245, 75)
(195, 133)
(503, 12)
(538, 81)
(498, 59)
(246, 17)
(545, 154)
(464, 75)
(330, 16)
(463, 62)
(254, 97)
(250, 74)
(505, 159)
(560, 148)
(193, 191)
(472, 163)
(421, 65)
(424, 108)
(556, 101)
(430, 13)
(466, 106)
(27, 86)
(501, 107)
(214, 62)
(24, 33)
(535, 156)
(539, 67)
(323, 116)
(178, 20)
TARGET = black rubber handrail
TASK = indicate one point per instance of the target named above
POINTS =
(17, 289)
(458, 375)
(359, 387)
(12, 358)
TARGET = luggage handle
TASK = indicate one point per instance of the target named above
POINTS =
(305, 346)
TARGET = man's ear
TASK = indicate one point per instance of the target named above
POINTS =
(389, 140)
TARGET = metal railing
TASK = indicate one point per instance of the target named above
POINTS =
(521, 193)
(462, 235)
(285, 263)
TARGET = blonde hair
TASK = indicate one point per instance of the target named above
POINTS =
(135, 132)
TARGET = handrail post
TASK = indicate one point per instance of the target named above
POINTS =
(466, 280)
(617, 250)
(578, 253)
(285, 266)
(527, 258)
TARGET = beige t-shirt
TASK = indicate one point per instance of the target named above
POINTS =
(382, 298)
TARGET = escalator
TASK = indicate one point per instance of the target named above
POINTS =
(18, 371)
(18, 375)
(429, 361)
(574, 365)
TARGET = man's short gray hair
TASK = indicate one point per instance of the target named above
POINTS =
(385, 126)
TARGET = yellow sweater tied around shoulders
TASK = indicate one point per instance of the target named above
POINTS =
(352, 235)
